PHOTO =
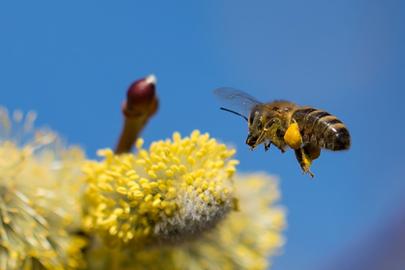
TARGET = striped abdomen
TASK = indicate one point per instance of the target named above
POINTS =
(322, 129)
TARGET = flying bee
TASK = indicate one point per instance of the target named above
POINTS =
(287, 125)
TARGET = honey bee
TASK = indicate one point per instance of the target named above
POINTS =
(287, 125)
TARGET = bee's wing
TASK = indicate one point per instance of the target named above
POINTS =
(236, 100)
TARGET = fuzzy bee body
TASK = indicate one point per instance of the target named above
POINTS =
(287, 125)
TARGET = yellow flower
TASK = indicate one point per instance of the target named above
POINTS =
(175, 190)
(245, 239)
(39, 197)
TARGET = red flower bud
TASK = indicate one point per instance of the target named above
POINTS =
(141, 98)
(141, 92)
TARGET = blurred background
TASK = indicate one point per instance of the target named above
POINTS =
(73, 61)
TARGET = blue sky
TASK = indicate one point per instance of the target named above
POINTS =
(72, 62)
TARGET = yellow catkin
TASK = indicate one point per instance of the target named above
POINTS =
(245, 239)
(40, 184)
(174, 189)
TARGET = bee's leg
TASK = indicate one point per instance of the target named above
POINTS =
(292, 136)
(267, 145)
(277, 142)
(304, 160)
(265, 137)
(261, 139)
(280, 140)
(281, 148)
(275, 139)
(312, 151)
(306, 155)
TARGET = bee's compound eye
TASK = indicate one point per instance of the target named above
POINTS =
(251, 119)
(253, 115)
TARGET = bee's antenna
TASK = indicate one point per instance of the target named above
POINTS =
(228, 110)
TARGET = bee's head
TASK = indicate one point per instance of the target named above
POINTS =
(255, 127)
(259, 120)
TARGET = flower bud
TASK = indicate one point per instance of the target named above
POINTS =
(141, 97)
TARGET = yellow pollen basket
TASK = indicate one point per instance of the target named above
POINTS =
(292, 136)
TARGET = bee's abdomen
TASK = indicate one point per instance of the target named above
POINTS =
(322, 129)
